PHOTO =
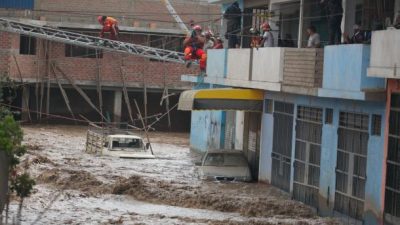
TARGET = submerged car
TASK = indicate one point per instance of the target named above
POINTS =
(225, 165)
(126, 146)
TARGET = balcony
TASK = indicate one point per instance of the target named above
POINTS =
(338, 71)
(345, 74)
(275, 69)
(385, 54)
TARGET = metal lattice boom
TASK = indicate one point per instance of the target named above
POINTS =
(87, 41)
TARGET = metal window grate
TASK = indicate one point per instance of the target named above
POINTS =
(328, 116)
(353, 120)
(284, 107)
(307, 155)
(268, 106)
(392, 193)
(376, 125)
(282, 145)
(351, 164)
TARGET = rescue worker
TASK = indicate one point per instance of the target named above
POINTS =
(109, 24)
(194, 44)
(267, 37)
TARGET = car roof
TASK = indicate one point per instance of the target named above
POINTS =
(225, 151)
(124, 136)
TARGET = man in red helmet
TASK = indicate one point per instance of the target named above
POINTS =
(109, 24)
(194, 44)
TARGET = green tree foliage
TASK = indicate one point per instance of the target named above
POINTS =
(11, 137)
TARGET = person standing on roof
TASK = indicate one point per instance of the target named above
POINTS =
(109, 24)
(267, 37)
(194, 44)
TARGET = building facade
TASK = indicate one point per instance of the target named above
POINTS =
(30, 61)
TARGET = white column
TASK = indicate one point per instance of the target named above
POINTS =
(301, 21)
(117, 106)
(349, 16)
(239, 130)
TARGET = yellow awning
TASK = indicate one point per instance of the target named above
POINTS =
(222, 99)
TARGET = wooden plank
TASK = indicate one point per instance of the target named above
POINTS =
(26, 100)
(63, 93)
(144, 125)
(98, 83)
(125, 91)
(80, 91)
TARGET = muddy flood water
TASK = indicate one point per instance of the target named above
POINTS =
(74, 187)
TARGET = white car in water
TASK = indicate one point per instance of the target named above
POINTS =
(225, 165)
(126, 146)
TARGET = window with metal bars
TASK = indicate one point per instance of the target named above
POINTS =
(392, 192)
(27, 45)
(307, 155)
(282, 144)
(351, 164)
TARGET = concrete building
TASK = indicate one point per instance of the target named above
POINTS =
(30, 61)
(328, 129)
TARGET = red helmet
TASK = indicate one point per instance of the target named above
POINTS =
(100, 19)
(265, 26)
(197, 27)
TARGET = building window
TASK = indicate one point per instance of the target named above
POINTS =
(376, 125)
(307, 155)
(328, 116)
(77, 51)
(268, 106)
(27, 45)
(351, 167)
(392, 194)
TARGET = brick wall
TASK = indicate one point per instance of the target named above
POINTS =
(85, 69)
(129, 12)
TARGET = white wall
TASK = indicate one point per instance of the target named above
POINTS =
(268, 65)
(238, 64)
(385, 54)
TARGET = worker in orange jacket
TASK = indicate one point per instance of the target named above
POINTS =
(109, 24)
(194, 44)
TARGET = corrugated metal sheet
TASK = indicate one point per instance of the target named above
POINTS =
(17, 4)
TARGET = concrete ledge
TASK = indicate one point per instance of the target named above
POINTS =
(393, 73)
(244, 83)
(300, 90)
(106, 85)
(192, 78)
(376, 95)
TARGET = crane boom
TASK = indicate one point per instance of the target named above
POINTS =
(87, 41)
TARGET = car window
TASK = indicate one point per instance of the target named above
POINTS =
(234, 160)
(214, 159)
(127, 143)
(225, 159)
